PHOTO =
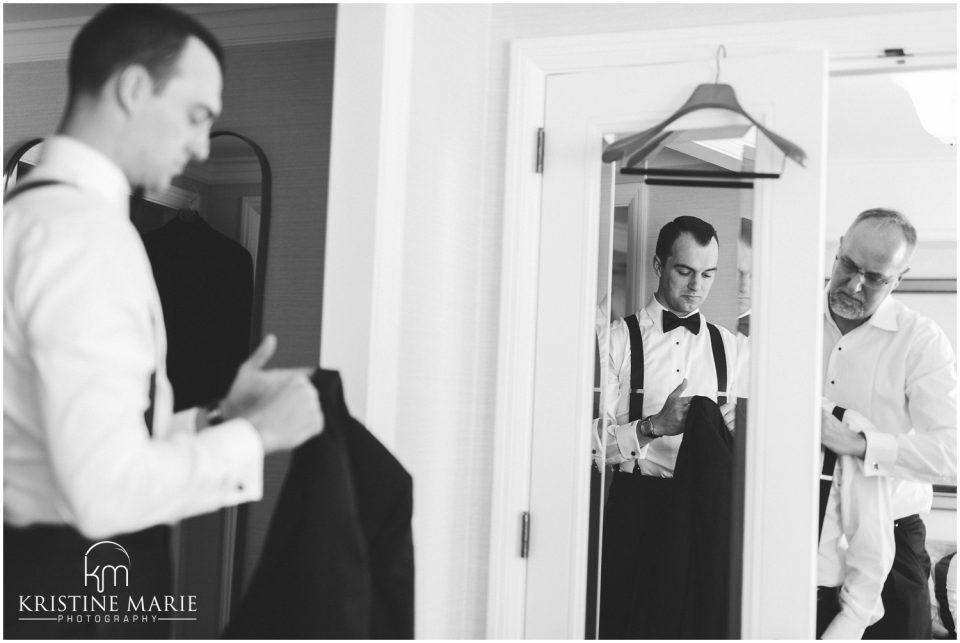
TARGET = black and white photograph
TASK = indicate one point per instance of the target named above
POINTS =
(480, 321)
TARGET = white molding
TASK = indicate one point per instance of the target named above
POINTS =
(531, 60)
(633, 196)
(510, 494)
(387, 283)
(250, 226)
(237, 26)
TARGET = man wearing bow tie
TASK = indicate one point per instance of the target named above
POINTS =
(659, 358)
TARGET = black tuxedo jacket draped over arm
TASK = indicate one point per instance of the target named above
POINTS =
(338, 559)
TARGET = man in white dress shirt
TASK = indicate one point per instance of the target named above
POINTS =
(92, 449)
(644, 430)
(897, 369)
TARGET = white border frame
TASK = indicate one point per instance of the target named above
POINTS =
(852, 44)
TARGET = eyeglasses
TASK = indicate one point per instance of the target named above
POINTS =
(871, 280)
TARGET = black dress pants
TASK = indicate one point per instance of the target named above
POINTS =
(645, 556)
(828, 606)
(906, 595)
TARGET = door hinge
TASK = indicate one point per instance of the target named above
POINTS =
(540, 137)
(525, 531)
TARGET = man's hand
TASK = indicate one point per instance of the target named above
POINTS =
(281, 404)
(729, 412)
(840, 439)
(673, 416)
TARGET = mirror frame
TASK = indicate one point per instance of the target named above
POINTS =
(236, 518)
(11, 162)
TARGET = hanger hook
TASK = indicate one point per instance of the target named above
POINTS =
(720, 49)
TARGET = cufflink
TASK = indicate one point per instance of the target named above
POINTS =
(214, 414)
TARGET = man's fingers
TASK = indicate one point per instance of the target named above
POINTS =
(263, 353)
(675, 393)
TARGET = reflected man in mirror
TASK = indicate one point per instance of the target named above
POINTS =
(92, 448)
(897, 369)
(671, 452)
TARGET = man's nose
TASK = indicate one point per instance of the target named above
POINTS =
(856, 282)
(693, 284)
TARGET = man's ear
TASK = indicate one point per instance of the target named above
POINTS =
(657, 266)
(133, 86)
(899, 279)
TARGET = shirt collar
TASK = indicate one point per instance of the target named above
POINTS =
(884, 318)
(73, 161)
(655, 309)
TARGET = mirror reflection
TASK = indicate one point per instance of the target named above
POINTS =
(673, 314)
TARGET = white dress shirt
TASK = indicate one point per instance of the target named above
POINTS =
(82, 333)
(668, 358)
(899, 371)
(856, 544)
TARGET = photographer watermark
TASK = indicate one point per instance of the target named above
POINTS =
(107, 571)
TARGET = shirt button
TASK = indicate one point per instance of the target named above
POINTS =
(678, 370)
(633, 453)
(594, 452)
(832, 382)
(839, 348)
(876, 467)
(678, 343)
(240, 487)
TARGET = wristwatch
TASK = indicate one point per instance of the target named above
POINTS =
(646, 428)
(214, 413)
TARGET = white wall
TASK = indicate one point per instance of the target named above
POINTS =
(444, 377)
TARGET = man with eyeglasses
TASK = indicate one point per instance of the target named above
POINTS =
(898, 370)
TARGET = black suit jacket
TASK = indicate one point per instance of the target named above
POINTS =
(704, 477)
(338, 560)
(205, 282)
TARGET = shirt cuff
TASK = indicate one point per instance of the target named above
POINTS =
(881, 453)
(844, 627)
(183, 422)
(631, 448)
(241, 449)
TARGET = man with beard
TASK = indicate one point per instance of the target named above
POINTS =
(897, 369)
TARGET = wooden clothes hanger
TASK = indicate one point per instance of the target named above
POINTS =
(706, 96)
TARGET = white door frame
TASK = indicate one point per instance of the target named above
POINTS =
(852, 44)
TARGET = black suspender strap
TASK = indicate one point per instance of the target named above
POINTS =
(20, 188)
(636, 368)
(826, 476)
(719, 362)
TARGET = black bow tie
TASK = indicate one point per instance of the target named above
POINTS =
(743, 325)
(671, 321)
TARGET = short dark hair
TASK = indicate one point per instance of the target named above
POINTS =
(888, 217)
(152, 35)
(702, 231)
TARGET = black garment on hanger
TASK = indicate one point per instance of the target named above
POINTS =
(338, 560)
(205, 282)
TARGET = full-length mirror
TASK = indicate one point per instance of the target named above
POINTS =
(206, 238)
(673, 306)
